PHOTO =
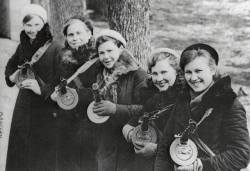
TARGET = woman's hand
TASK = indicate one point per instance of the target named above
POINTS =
(127, 132)
(13, 76)
(104, 108)
(196, 166)
(53, 96)
(31, 84)
(185, 168)
(146, 150)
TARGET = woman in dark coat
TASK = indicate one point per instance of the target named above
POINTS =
(119, 79)
(222, 137)
(76, 145)
(162, 88)
(32, 134)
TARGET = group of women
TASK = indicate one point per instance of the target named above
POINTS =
(175, 93)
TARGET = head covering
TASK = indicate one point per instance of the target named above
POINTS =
(34, 9)
(163, 50)
(78, 19)
(206, 47)
(113, 34)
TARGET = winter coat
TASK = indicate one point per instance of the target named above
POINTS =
(33, 131)
(224, 131)
(76, 141)
(152, 100)
(114, 153)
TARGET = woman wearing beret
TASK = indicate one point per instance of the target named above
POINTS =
(31, 140)
(119, 79)
(210, 115)
(162, 88)
(76, 145)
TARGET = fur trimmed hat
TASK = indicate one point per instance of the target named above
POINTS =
(113, 34)
(35, 9)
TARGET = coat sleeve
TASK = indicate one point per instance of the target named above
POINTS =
(12, 66)
(48, 88)
(124, 112)
(235, 134)
(163, 160)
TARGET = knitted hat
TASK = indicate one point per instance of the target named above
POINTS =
(206, 47)
(34, 9)
(164, 50)
(78, 19)
(155, 57)
(113, 34)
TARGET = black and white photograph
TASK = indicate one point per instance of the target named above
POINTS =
(125, 85)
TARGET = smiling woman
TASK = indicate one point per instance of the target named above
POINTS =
(32, 24)
(32, 134)
(209, 114)
(119, 79)
(161, 91)
(75, 141)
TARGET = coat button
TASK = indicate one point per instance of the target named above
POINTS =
(54, 114)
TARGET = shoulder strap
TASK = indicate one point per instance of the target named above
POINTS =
(82, 69)
(201, 145)
(39, 53)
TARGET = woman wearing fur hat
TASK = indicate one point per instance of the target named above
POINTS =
(207, 129)
(76, 133)
(31, 141)
(119, 80)
(164, 84)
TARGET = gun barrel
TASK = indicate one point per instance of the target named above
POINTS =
(96, 92)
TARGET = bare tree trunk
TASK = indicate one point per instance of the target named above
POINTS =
(61, 10)
(131, 19)
(99, 7)
(4, 19)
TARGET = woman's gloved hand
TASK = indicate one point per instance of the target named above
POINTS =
(146, 150)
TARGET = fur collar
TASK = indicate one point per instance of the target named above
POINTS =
(79, 56)
(28, 48)
(220, 93)
(42, 36)
(172, 92)
(125, 64)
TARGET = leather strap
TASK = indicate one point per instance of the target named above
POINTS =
(39, 53)
(82, 69)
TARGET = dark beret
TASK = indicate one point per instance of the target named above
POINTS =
(206, 47)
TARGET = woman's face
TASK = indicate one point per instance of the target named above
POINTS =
(163, 75)
(198, 74)
(108, 53)
(33, 26)
(77, 35)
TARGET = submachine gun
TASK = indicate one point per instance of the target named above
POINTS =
(24, 72)
(67, 98)
(97, 98)
(145, 132)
